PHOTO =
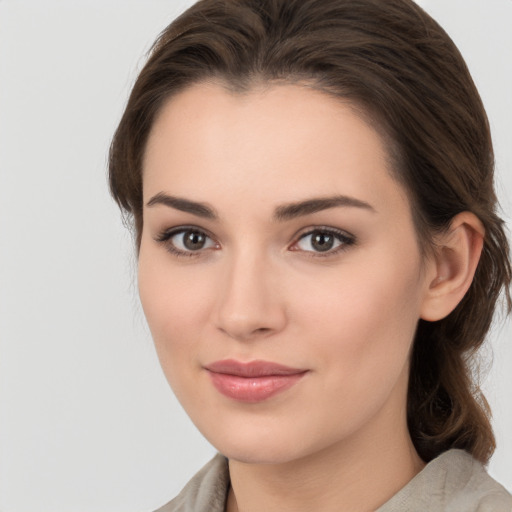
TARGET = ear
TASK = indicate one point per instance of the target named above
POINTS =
(453, 265)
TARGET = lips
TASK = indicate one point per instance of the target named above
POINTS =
(252, 382)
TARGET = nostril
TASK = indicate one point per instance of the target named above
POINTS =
(247, 308)
(246, 332)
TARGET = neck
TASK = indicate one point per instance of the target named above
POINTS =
(358, 474)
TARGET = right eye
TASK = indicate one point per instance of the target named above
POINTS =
(186, 241)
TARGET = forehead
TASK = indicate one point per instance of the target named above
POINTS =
(282, 142)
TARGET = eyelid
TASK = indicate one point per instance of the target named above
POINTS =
(164, 237)
(347, 239)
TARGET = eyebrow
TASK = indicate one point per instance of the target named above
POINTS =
(184, 205)
(294, 210)
(282, 213)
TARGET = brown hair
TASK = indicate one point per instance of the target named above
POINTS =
(397, 65)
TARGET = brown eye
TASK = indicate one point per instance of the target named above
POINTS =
(194, 240)
(190, 240)
(322, 241)
(325, 241)
(186, 241)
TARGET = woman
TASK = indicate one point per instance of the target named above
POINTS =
(311, 187)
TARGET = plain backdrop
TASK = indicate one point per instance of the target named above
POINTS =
(87, 422)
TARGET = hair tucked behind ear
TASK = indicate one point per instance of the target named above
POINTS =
(397, 66)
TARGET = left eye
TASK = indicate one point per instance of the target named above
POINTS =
(322, 241)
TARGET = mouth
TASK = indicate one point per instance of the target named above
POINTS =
(252, 382)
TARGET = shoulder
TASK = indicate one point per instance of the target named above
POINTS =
(205, 492)
(453, 482)
(473, 489)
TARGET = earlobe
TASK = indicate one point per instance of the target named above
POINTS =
(453, 266)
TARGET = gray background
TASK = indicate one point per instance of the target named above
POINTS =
(87, 422)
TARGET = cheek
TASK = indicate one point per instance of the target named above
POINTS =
(357, 329)
(364, 318)
(176, 305)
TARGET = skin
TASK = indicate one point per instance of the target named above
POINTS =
(259, 290)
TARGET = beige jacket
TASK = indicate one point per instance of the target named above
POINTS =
(453, 482)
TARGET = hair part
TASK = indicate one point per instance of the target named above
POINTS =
(399, 69)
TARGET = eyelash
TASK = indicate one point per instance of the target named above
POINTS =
(165, 238)
(346, 240)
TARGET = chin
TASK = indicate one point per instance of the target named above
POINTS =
(263, 447)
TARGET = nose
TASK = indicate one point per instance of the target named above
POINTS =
(250, 304)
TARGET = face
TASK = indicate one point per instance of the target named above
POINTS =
(279, 270)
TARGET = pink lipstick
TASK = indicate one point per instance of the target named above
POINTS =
(254, 381)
